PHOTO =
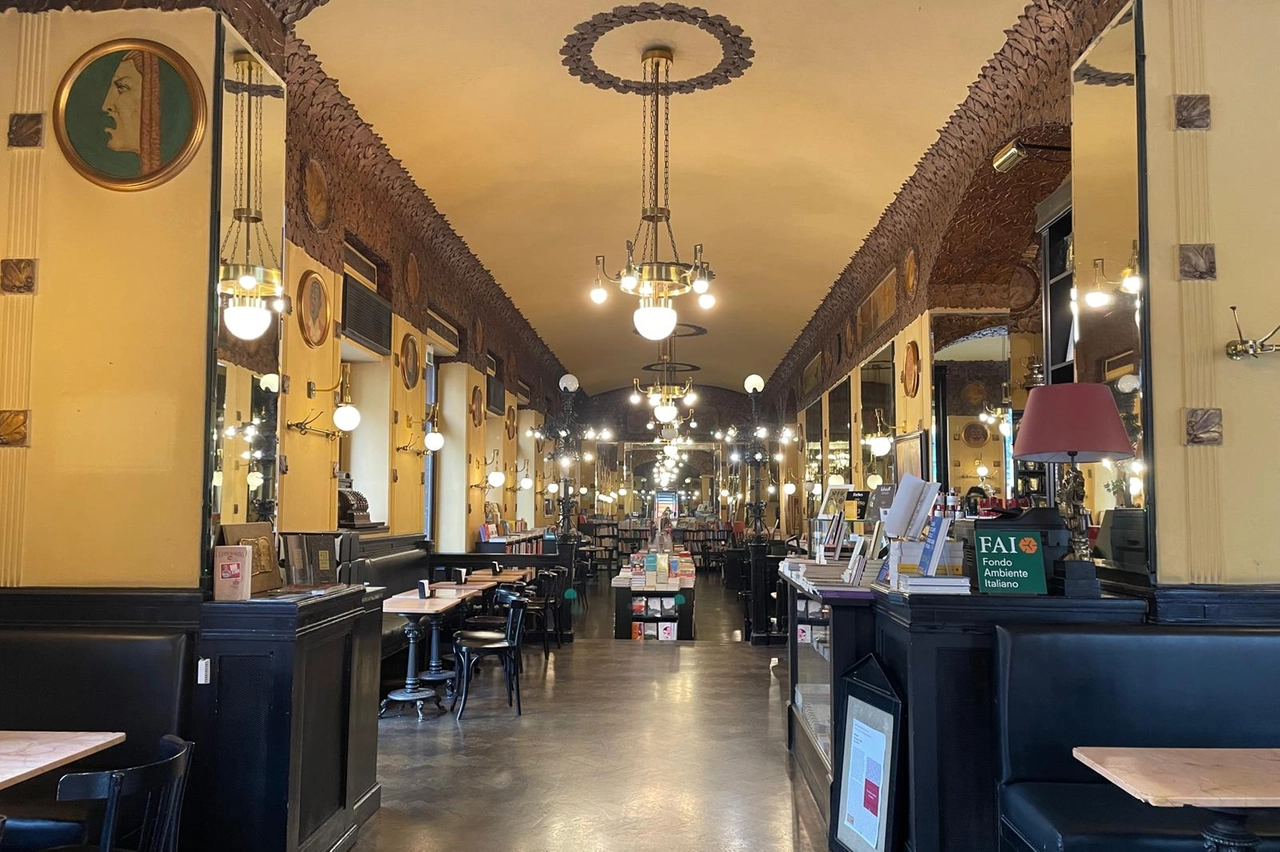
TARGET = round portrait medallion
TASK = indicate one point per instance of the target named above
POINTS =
(410, 362)
(312, 308)
(315, 194)
(129, 114)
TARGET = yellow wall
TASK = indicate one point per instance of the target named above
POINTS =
(406, 481)
(309, 491)
(1213, 504)
(111, 353)
(913, 413)
(459, 507)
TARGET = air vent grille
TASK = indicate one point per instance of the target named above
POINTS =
(366, 316)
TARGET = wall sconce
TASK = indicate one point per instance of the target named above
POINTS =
(346, 417)
(1130, 281)
(881, 443)
(1008, 157)
(981, 469)
(1240, 347)
(494, 478)
(524, 482)
(432, 441)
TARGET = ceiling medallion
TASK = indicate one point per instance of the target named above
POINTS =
(656, 281)
(579, 45)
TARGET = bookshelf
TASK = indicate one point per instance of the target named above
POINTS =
(523, 543)
(636, 608)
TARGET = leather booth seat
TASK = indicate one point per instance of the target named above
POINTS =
(133, 680)
(397, 572)
(1063, 687)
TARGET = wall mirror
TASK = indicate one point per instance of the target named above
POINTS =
(877, 382)
(973, 404)
(840, 434)
(1108, 250)
(814, 468)
(247, 229)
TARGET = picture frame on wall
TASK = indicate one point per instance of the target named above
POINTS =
(129, 114)
(868, 754)
(911, 455)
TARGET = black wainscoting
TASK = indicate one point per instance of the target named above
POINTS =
(287, 723)
(939, 652)
(1219, 605)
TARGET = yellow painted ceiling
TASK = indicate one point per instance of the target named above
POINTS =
(780, 174)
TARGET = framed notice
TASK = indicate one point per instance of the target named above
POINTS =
(868, 737)
(1009, 562)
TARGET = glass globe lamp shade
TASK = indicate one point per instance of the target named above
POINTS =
(622, 492)
(635, 398)
(630, 281)
(875, 480)
(270, 382)
(569, 383)
(982, 471)
(670, 451)
(599, 294)
(753, 384)
(772, 489)
(1097, 298)
(1005, 429)
(1131, 282)
(706, 301)
(346, 417)
(246, 317)
(254, 480)
(817, 489)
(789, 488)
(701, 284)
(669, 433)
(582, 490)
(666, 413)
(654, 322)
(835, 479)
(496, 479)
(217, 479)
(434, 441)
(669, 464)
(724, 492)
(526, 483)
(690, 398)
(880, 445)
(553, 487)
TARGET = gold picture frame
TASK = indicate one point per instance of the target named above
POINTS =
(314, 309)
(410, 362)
(120, 120)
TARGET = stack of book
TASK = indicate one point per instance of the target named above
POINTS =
(923, 585)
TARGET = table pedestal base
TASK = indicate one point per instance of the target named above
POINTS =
(417, 697)
(1229, 833)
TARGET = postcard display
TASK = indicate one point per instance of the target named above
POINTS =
(653, 597)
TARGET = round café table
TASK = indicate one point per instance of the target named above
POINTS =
(419, 686)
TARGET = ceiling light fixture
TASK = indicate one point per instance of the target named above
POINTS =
(656, 282)
(249, 279)
(1008, 157)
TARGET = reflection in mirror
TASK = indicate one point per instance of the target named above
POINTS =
(973, 408)
(245, 393)
(813, 466)
(839, 434)
(878, 416)
(1109, 282)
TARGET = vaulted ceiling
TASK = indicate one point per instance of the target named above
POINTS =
(780, 173)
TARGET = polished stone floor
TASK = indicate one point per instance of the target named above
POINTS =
(642, 747)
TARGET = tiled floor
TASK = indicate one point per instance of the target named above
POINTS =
(662, 747)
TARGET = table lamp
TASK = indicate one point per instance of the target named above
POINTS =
(1068, 424)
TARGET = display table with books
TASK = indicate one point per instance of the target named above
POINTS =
(829, 629)
(654, 598)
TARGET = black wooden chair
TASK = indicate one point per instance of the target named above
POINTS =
(143, 804)
(468, 652)
(544, 605)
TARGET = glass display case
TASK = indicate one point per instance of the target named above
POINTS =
(829, 630)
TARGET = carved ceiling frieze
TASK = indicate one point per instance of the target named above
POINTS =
(1025, 87)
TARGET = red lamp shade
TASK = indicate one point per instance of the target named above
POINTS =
(1060, 420)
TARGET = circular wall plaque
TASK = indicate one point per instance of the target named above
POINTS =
(910, 274)
(975, 435)
(129, 114)
(412, 280)
(511, 423)
(974, 393)
(410, 362)
(315, 194)
(477, 406)
(911, 370)
(313, 309)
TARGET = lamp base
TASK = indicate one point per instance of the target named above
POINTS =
(1078, 579)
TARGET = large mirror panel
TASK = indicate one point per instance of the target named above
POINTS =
(1107, 248)
(878, 395)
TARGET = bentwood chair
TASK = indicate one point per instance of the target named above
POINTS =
(143, 804)
(468, 652)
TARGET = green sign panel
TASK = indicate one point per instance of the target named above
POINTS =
(1009, 562)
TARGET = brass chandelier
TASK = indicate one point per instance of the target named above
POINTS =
(665, 396)
(654, 281)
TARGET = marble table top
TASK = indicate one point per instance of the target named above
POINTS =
(1196, 777)
(26, 754)
(410, 604)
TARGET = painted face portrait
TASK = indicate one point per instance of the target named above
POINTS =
(315, 305)
(131, 117)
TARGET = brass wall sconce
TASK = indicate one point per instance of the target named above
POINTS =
(1008, 157)
(524, 482)
(1241, 347)
(1130, 281)
(494, 478)
(346, 417)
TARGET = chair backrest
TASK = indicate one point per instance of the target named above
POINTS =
(504, 597)
(143, 803)
(515, 621)
(1060, 687)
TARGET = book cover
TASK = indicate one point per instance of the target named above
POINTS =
(935, 542)
(232, 570)
(650, 630)
(637, 630)
(666, 631)
(322, 557)
(638, 605)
